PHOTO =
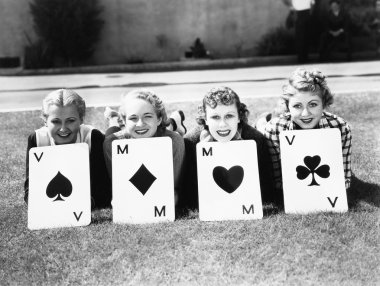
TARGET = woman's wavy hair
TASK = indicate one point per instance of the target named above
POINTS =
(62, 98)
(302, 80)
(221, 95)
(152, 98)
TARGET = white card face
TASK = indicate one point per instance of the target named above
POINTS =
(228, 181)
(142, 180)
(312, 171)
(59, 186)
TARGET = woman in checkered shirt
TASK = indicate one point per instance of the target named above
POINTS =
(305, 99)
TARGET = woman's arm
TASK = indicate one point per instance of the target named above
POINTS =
(346, 153)
(100, 180)
(31, 143)
(271, 134)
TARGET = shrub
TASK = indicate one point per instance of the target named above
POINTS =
(362, 15)
(278, 41)
(69, 29)
(38, 56)
(361, 21)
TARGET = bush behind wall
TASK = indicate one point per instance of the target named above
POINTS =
(68, 29)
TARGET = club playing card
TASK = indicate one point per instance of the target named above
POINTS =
(142, 180)
(59, 186)
(228, 181)
(312, 171)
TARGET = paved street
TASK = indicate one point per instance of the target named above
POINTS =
(27, 92)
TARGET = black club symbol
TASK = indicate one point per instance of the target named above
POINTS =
(311, 168)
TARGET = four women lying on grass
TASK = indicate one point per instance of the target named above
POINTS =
(221, 117)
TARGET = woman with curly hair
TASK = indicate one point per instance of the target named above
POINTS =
(306, 97)
(223, 117)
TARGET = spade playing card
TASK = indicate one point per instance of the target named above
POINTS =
(312, 171)
(59, 186)
(228, 181)
(142, 180)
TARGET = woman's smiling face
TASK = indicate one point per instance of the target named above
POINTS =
(222, 121)
(306, 109)
(63, 123)
(141, 118)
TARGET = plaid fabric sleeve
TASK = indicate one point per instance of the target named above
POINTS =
(345, 130)
(271, 133)
(346, 152)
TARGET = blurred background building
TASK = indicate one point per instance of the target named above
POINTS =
(137, 31)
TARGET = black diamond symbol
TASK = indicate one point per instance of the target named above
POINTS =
(143, 179)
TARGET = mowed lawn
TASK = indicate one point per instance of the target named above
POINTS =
(314, 249)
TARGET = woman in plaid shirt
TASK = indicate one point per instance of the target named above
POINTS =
(305, 99)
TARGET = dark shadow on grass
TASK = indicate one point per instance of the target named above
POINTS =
(184, 213)
(362, 192)
(99, 216)
(271, 209)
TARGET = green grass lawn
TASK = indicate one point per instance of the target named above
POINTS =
(318, 249)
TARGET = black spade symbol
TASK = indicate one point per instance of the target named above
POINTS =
(228, 180)
(311, 168)
(60, 186)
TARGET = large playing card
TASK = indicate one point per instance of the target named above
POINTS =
(59, 186)
(228, 181)
(142, 180)
(312, 171)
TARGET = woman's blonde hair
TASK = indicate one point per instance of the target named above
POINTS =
(150, 97)
(63, 97)
(313, 81)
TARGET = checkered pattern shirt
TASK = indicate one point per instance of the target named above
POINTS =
(328, 120)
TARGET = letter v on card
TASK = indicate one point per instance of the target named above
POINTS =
(59, 186)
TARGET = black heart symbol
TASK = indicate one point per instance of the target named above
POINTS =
(312, 162)
(228, 180)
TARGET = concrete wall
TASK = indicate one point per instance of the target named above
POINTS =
(155, 30)
(15, 24)
(159, 30)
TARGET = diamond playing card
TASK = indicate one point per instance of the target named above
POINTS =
(142, 180)
(228, 181)
(59, 186)
(312, 171)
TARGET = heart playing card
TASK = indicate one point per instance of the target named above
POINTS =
(312, 171)
(228, 181)
(59, 186)
(142, 180)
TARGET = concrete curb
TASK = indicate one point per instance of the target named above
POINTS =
(191, 64)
